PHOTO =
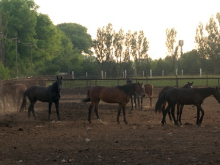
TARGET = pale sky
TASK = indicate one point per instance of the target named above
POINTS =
(151, 16)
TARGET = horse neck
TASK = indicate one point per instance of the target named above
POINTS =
(206, 92)
(55, 87)
(129, 89)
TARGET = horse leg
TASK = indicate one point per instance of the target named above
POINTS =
(57, 110)
(119, 112)
(137, 97)
(164, 114)
(132, 103)
(135, 101)
(199, 119)
(49, 110)
(141, 103)
(172, 112)
(124, 114)
(180, 113)
(90, 110)
(150, 101)
(32, 109)
(96, 111)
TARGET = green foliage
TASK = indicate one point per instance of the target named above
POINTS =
(78, 35)
(4, 72)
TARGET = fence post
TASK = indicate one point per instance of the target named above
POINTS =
(150, 73)
(72, 74)
(176, 81)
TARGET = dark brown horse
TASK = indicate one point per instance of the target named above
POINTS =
(179, 107)
(118, 94)
(129, 81)
(48, 94)
(183, 96)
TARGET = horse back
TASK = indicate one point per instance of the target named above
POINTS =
(108, 94)
(39, 93)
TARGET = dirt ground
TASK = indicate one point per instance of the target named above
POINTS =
(74, 141)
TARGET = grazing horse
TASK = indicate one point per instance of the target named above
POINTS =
(118, 94)
(179, 107)
(191, 96)
(44, 94)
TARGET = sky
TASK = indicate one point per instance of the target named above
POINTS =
(151, 16)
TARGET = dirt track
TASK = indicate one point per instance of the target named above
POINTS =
(75, 141)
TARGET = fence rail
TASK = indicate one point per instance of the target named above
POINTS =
(157, 82)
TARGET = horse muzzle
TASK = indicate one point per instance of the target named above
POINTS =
(143, 95)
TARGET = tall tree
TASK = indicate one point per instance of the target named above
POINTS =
(213, 41)
(170, 40)
(127, 51)
(98, 44)
(108, 41)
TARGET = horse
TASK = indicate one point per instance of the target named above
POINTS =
(179, 107)
(129, 81)
(6, 89)
(118, 94)
(44, 94)
(17, 94)
(149, 91)
(183, 96)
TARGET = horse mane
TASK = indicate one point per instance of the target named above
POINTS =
(55, 87)
(128, 88)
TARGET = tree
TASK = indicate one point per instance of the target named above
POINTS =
(78, 35)
(127, 47)
(18, 20)
(98, 44)
(213, 41)
(108, 34)
(170, 40)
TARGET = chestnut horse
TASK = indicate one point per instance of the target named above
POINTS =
(118, 94)
(184, 96)
(149, 91)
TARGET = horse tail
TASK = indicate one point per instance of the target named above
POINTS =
(87, 99)
(23, 104)
(160, 101)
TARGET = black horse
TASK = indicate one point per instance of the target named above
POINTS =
(179, 107)
(129, 81)
(44, 94)
(193, 96)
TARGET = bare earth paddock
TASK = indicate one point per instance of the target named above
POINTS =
(75, 141)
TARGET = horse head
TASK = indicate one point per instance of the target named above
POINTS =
(140, 89)
(59, 83)
(216, 94)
